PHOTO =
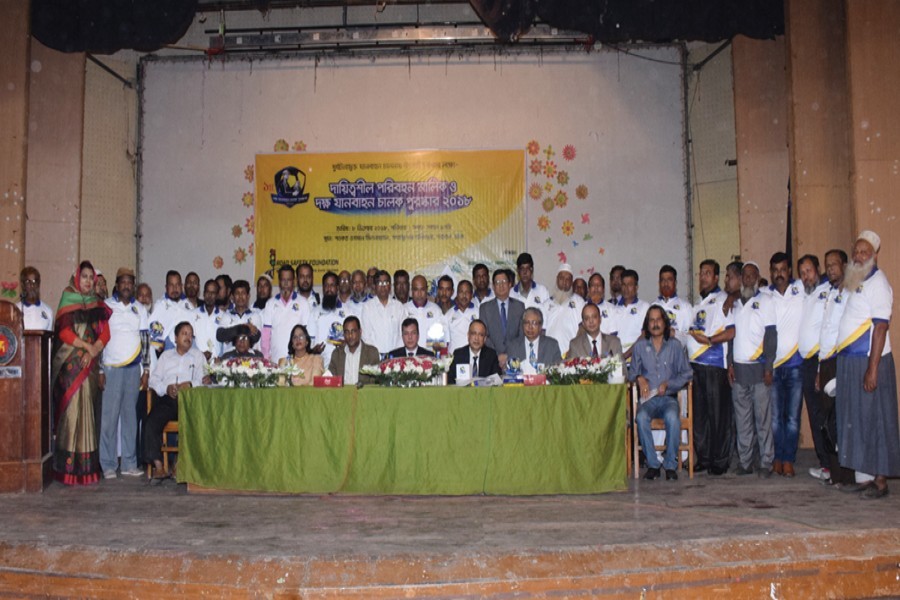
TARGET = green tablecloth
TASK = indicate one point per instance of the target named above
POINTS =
(431, 440)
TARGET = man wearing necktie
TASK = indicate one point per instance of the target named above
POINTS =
(502, 315)
(481, 359)
(410, 333)
(533, 345)
(591, 343)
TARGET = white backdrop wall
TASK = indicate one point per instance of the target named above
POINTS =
(611, 123)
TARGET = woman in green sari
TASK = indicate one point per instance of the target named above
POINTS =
(82, 331)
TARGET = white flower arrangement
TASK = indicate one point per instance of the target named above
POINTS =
(407, 372)
(251, 372)
(585, 370)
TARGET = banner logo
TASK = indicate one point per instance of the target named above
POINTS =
(289, 186)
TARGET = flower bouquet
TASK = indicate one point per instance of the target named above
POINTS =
(584, 370)
(407, 372)
(251, 372)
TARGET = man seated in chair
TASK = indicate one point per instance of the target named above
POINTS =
(177, 368)
(409, 331)
(533, 345)
(241, 337)
(660, 368)
(479, 359)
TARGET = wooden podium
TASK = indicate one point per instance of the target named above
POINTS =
(25, 425)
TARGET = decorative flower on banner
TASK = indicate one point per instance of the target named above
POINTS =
(549, 152)
(562, 257)
(574, 243)
(247, 199)
(533, 147)
(250, 248)
(240, 255)
(562, 178)
(250, 224)
(561, 199)
(543, 223)
(281, 145)
(587, 237)
(568, 228)
(218, 263)
(534, 191)
(549, 241)
(601, 250)
(581, 192)
(236, 231)
(547, 204)
(550, 169)
(536, 166)
(248, 173)
(548, 187)
(569, 152)
(299, 146)
(585, 219)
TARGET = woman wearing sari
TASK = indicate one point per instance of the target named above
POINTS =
(82, 331)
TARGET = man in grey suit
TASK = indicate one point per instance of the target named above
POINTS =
(533, 345)
(346, 360)
(502, 315)
(591, 342)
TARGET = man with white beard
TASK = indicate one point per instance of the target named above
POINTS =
(868, 434)
(751, 357)
(564, 309)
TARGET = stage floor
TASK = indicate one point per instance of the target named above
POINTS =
(725, 531)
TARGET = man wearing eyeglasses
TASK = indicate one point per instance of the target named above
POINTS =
(382, 317)
(533, 346)
(38, 316)
(502, 315)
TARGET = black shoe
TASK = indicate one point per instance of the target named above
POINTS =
(697, 468)
(671, 475)
(651, 473)
(874, 492)
(854, 488)
(742, 471)
(716, 471)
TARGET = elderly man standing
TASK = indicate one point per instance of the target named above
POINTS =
(564, 309)
(751, 359)
(533, 345)
(660, 368)
(707, 344)
(37, 315)
(382, 317)
(126, 368)
(868, 435)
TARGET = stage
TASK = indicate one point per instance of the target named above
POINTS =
(707, 537)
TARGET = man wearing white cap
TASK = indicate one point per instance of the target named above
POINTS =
(751, 357)
(564, 309)
(868, 435)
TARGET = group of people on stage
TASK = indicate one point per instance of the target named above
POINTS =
(752, 350)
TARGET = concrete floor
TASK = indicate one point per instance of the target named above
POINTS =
(129, 515)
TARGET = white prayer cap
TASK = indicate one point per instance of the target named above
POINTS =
(751, 263)
(565, 268)
(871, 237)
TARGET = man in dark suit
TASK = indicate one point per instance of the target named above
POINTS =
(533, 345)
(591, 343)
(347, 359)
(502, 315)
(480, 360)
(410, 332)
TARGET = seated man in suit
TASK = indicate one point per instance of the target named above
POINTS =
(502, 314)
(591, 343)
(347, 359)
(409, 330)
(533, 345)
(482, 361)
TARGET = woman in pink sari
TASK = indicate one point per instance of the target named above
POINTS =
(82, 331)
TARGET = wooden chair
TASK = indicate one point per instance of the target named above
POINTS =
(166, 448)
(686, 406)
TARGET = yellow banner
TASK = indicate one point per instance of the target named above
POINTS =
(422, 211)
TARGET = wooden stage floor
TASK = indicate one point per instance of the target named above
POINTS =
(707, 537)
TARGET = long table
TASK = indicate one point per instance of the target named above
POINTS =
(429, 440)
